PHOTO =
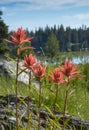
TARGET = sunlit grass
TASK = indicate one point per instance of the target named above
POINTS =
(78, 101)
(7, 86)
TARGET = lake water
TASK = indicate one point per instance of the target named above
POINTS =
(79, 59)
(76, 60)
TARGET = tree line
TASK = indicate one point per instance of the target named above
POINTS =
(68, 39)
(50, 40)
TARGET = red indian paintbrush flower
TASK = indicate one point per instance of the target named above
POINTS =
(19, 37)
(57, 76)
(39, 70)
(29, 60)
(70, 70)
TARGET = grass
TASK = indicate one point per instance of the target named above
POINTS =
(78, 93)
(7, 86)
(78, 101)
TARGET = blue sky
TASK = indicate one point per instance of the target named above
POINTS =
(33, 14)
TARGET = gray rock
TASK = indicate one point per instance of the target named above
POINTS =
(8, 120)
(9, 69)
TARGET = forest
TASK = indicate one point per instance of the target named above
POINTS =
(61, 39)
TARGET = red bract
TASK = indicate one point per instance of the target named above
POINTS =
(39, 70)
(29, 60)
(70, 70)
(57, 76)
(19, 37)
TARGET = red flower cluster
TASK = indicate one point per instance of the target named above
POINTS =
(60, 75)
(57, 77)
(29, 61)
(19, 37)
(37, 68)
(68, 72)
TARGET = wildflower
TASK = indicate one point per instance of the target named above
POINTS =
(19, 37)
(70, 70)
(57, 76)
(39, 70)
(29, 60)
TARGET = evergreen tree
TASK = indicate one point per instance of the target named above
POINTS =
(52, 46)
(3, 34)
(61, 38)
(70, 39)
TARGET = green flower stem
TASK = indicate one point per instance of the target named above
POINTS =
(55, 100)
(65, 105)
(28, 111)
(39, 103)
(16, 92)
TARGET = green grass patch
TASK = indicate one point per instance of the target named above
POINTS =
(78, 101)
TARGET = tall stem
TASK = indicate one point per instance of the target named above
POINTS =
(39, 104)
(28, 109)
(16, 92)
(55, 100)
(65, 105)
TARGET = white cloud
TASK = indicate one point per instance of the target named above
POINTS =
(82, 16)
(50, 4)
(77, 17)
(76, 20)
(13, 13)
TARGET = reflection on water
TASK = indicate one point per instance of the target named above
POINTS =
(76, 60)
(83, 59)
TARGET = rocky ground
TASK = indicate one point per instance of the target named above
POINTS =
(9, 69)
(8, 108)
(8, 120)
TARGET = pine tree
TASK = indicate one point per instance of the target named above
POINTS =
(52, 46)
(3, 34)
